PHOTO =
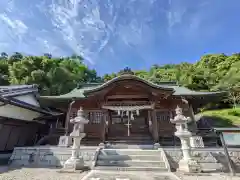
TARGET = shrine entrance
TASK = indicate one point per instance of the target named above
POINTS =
(128, 126)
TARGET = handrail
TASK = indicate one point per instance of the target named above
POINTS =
(96, 157)
(165, 159)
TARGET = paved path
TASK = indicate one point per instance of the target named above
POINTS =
(128, 175)
(55, 174)
(134, 175)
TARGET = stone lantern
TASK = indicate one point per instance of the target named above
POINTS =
(76, 162)
(187, 163)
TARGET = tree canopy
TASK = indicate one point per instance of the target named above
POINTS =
(58, 75)
(213, 72)
(53, 75)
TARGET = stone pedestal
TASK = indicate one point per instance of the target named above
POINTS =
(75, 162)
(189, 166)
(187, 163)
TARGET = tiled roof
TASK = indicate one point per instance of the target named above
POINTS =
(15, 90)
(84, 90)
(7, 94)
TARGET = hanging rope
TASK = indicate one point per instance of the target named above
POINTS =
(127, 108)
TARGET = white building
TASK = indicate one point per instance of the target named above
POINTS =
(20, 112)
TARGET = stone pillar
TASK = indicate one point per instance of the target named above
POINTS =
(76, 162)
(187, 163)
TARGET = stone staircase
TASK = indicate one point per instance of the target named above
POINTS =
(131, 160)
(90, 141)
(138, 139)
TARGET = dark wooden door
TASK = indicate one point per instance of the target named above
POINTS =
(120, 125)
(139, 126)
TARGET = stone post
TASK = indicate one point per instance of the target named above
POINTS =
(76, 162)
(187, 163)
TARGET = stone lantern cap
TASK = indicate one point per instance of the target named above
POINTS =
(180, 118)
(80, 119)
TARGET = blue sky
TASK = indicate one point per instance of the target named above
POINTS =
(113, 34)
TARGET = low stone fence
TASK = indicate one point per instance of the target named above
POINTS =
(48, 156)
(210, 159)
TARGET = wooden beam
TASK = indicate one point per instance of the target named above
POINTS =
(140, 96)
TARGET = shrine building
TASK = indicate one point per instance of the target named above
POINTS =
(129, 109)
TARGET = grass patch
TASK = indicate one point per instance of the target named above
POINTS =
(223, 117)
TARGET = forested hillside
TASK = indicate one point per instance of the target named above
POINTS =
(60, 75)
(213, 72)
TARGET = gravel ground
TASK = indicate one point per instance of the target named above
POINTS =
(38, 174)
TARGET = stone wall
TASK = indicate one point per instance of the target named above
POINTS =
(47, 156)
(210, 159)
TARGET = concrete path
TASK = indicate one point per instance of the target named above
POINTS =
(135, 175)
(25, 173)
(128, 175)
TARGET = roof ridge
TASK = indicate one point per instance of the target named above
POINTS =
(17, 89)
(82, 85)
(127, 77)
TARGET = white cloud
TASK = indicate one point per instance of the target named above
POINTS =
(100, 28)
(16, 24)
(188, 20)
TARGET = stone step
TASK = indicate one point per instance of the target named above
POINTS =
(142, 136)
(116, 168)
(129, 157)
(130, 152)
(125, 144)
(130, 163)
(130, 146)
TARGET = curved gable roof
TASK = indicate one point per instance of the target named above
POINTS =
(128, 77)
(85, 89)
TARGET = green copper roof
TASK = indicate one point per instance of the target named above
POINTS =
(183, 91)
(83, 90)
(75, 93)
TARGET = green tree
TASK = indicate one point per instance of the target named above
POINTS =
(4, 72)
(231, 83)
(53, 75)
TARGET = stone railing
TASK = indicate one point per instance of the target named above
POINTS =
(48, 156)
(210, 159)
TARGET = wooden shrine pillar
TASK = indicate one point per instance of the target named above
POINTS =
(150, 122)
(154, 126)
(103, 126)
(193, 124)
(189, 113)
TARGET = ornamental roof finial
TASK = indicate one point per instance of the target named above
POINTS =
(126, 71)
